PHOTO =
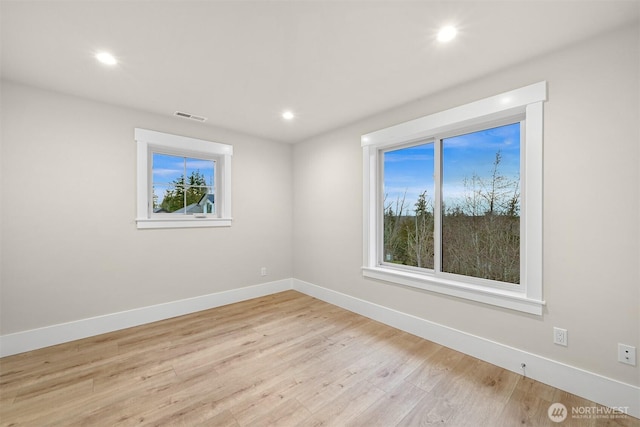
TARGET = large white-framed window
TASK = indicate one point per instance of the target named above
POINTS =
(182, 182)
(453, 201)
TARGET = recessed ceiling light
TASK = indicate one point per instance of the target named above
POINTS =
(288, 115)
(446, 34)
(106, 58)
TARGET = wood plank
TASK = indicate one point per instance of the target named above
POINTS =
(527, 408)
(391, 408)
(437, 366)
(344, 404)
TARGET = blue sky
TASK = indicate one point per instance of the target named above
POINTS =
(167, 168)
(411, 169)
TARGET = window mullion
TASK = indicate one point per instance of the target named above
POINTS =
(379, 212)
(184, 185)
(150, 189)
(218, 209)
(212, 187)
(523, 205)
(437, 214)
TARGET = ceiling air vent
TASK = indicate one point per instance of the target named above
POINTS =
(189, 116)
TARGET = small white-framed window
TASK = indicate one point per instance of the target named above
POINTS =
(182, 182)
(453, 201)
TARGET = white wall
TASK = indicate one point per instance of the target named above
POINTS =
(70, 247)
(591, 209)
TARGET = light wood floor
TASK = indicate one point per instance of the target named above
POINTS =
(286, 359)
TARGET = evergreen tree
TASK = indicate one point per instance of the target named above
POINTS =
(183, 194)
(420, 242)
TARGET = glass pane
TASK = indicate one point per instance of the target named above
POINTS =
(200, 172)
(168, 183)
(199, 188)
(408, 206)
(172, 193)
(481, 204)
(207, 204)
(168, 198)
(167, 169)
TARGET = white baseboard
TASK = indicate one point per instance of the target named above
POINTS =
(33, 339)
(589, 385)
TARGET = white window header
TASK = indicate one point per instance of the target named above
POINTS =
(182, 143)
(493, 108)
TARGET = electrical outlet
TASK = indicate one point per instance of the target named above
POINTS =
(263, 271)
(627, 354)
(560, 336)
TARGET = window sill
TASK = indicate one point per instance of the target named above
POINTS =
(188, 222)
(499, 297)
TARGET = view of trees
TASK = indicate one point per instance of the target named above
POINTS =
(480, 231)
(181, 193)
(408, 235)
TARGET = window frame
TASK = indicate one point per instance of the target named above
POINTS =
(149, 142)
(525, 102)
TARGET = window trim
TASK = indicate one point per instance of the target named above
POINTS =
(148, 142)
(528, 100)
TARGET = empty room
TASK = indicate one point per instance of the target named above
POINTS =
(304, 213)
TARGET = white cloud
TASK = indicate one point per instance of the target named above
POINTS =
(199, 164)
(166, 172)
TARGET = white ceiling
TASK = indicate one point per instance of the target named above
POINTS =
(240, 63)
